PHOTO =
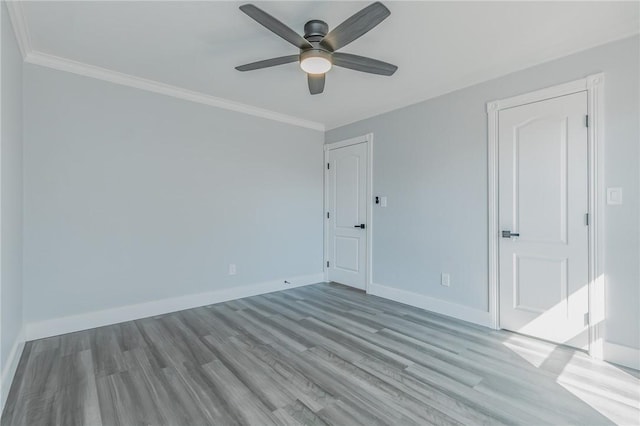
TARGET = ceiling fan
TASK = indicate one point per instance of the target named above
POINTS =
(318, 46)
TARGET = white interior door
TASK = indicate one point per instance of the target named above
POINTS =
(347, 209)
(543, 201)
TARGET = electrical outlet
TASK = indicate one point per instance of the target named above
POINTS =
(232, 269)
(445, 279)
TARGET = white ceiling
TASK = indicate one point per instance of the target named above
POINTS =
(438, 46)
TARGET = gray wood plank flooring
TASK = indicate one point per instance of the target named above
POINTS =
(317, 355)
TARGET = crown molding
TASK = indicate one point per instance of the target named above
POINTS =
(83, 69)
(30, 55)
(17, 16)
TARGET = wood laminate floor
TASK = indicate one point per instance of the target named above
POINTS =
(321, 354)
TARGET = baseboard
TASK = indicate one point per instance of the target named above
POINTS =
(69, 324)
(438, 306)
(10, 367)
(622, 355)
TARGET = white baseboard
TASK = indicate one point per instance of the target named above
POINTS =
(438, 306)
(622, 355)
(10, 367)
(69, 324)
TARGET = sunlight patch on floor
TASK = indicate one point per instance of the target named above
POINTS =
(532, 353)
(616, 411)
(614, 393)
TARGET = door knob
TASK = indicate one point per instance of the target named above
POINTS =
(509, 234)
(361, 226)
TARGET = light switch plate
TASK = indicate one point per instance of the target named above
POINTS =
(445, 279)
(614, 196)
(383, 201)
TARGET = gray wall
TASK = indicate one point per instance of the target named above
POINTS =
(430, 159)
(132, 197)
(10, 196)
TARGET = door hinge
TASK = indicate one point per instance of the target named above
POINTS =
(586, 219)
(586, 318)
(327, 263)
(586, 120)
(328, 166)
(328, 215)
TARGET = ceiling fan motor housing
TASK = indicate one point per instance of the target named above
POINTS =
(315, 30)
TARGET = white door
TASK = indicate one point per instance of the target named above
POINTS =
(347, 211)
(543, 191)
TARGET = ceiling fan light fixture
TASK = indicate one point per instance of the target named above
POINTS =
(318, 45)
(315, 61)
(315, 65)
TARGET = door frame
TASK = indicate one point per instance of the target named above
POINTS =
(593, 85)
(368, 140)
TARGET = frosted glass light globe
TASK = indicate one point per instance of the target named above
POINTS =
(315, 65)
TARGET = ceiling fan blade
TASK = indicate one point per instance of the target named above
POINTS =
(364, 64)
(272, 24)
(268, 63)
(355, 26)
(316, 83)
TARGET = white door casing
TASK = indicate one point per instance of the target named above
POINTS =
(594, 86)
(347, 175)
(543, 187)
